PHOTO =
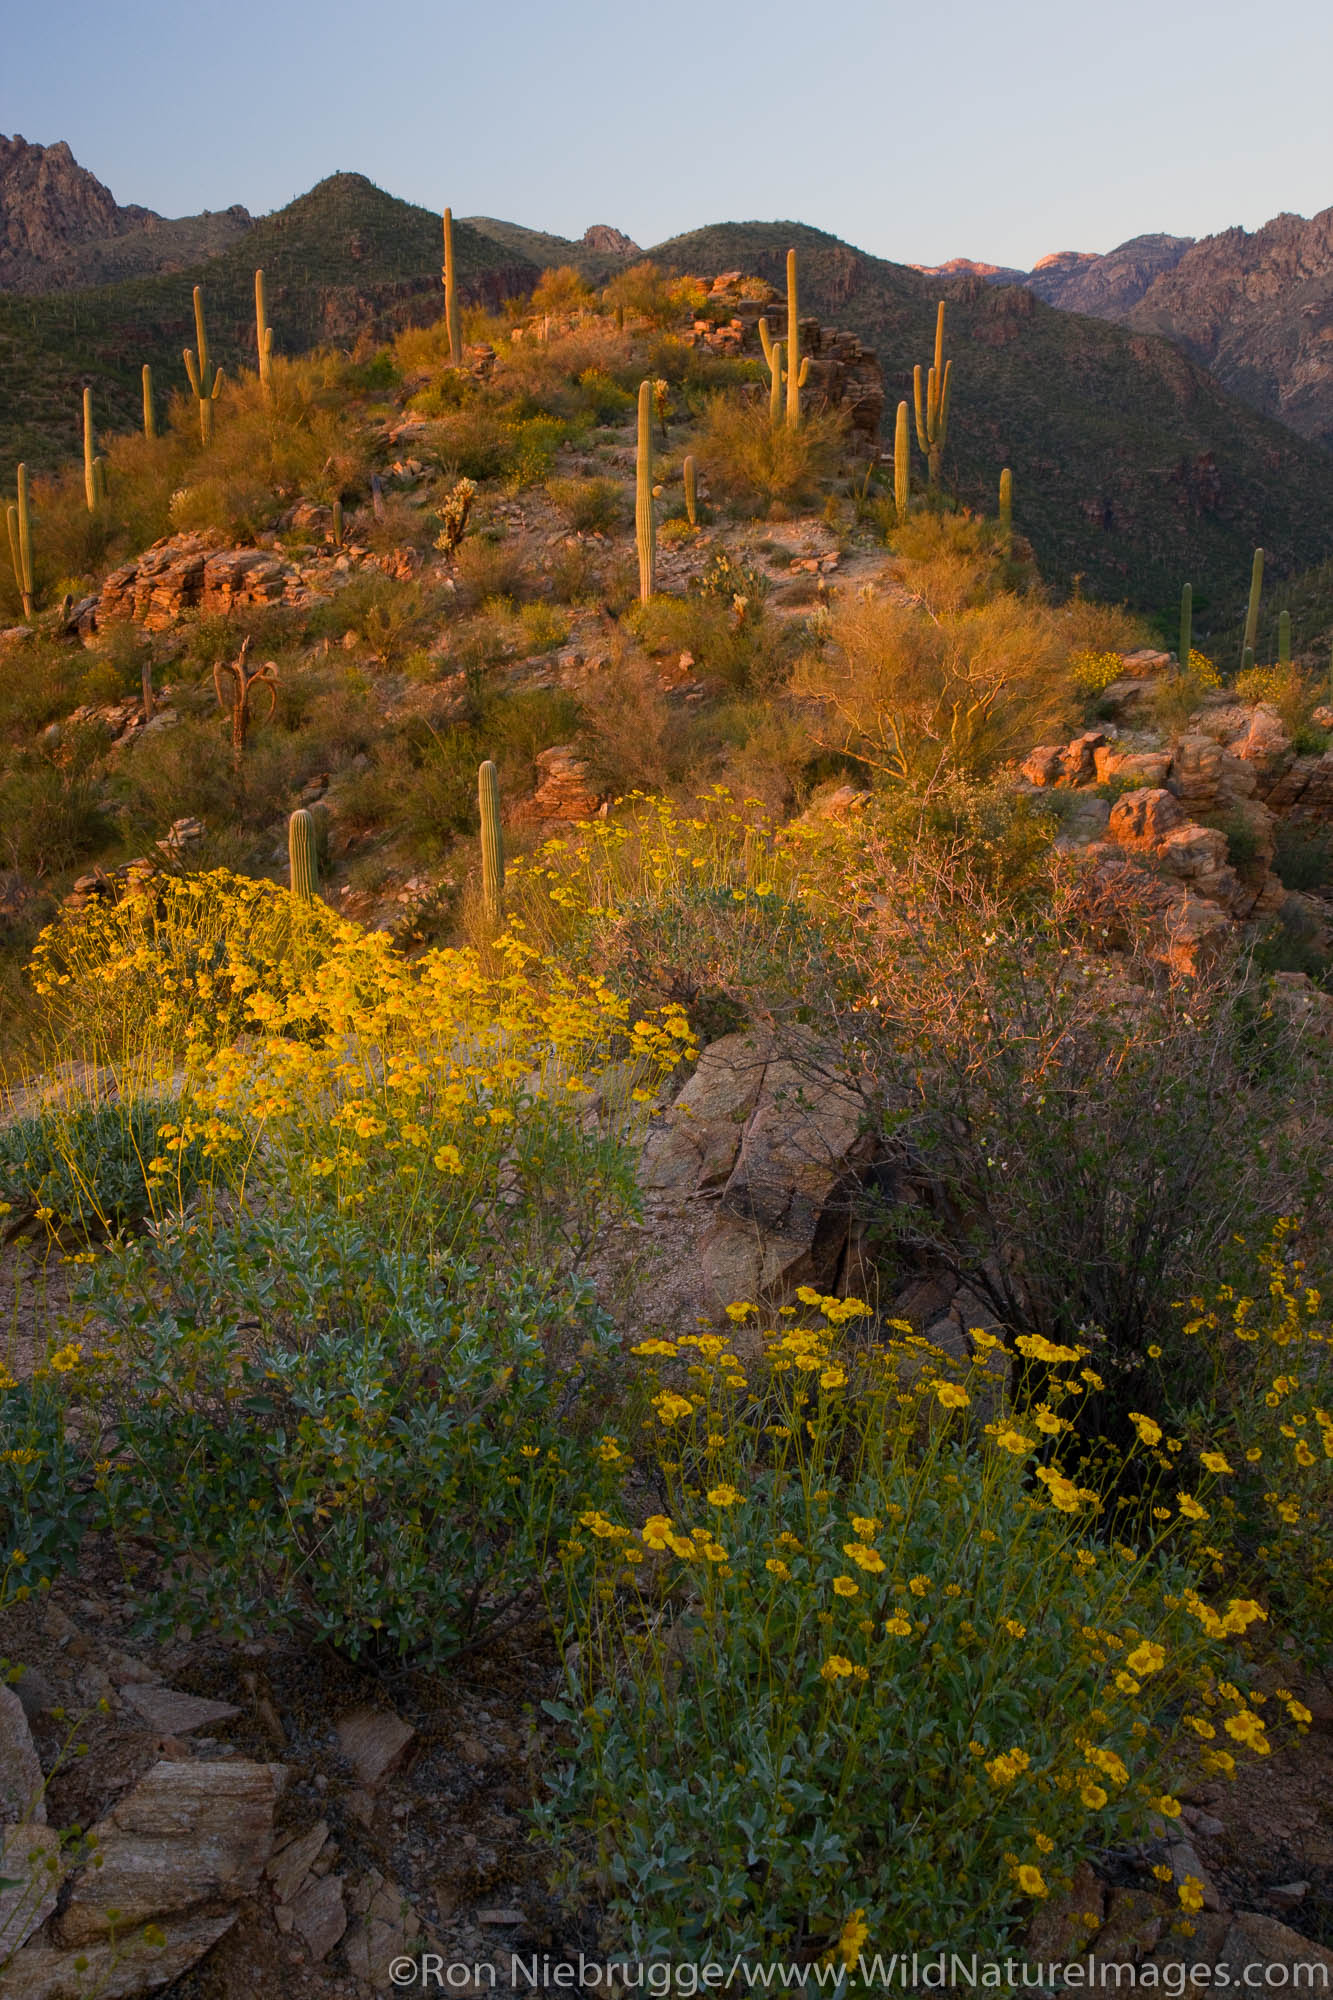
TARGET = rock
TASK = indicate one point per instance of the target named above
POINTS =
(187, 1835)
(565, 792)
(319, 1916)
(1184, 1862)
(374, 1741)
(1143, 819)
(184, 573)
(1042, 766)
(1139, 767)
(1287, 1895)
(116, 1970)
(22, 1798)
(501, 1917)
(1196, 771)
(1061, 1928)
(385, 1930)
(1146, 662)
(696, 1144)
(1135, 1921)
(30, 1858)
(15, 636)
(1078, 763)
(36, 1695)
(1266, 742)
(293, 1861)
(1257, 1940)
(1192, 852)
(173, 1714)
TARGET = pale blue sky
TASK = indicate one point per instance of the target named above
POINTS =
(1000, 129)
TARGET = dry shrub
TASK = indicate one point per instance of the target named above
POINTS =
(591, 506)
(484, 569)
(751, 464)
(636, 739)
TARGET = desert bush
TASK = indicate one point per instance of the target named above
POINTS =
(1284, 688)
(560, 290)
(1303, 857)
(97, 1167)
(1176, 696)
(752, 465)
(649, 294)
(939, 684)
(52, 811)
(724, 640)
(486, 568)
(591, 506)
(1265, 1412)
(386, 1420)
(866, 1678)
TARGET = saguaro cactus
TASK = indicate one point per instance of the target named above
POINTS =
(1007, 509)
(337, 524)
(451, 320)
(20, 542)
(1284, 639)
(796, 373)
(932, 409)
(1186, 641)
(492, 844)
(263, 331)
(691, 491)
(774, 351)
(205, 380)
(94, 467)
(902, 466)
(237, 704)
(645, 527)
(149, 413)
(1247, 644)
(303, 855)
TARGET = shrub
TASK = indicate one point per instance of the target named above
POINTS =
(1304, 855)
(591, 506)
(753, 465)
(865, 1675)
(561, 290)
(97, 1167)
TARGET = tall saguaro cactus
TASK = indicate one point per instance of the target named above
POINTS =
(263, 331)
(796, 369)
(902, 466)
(205, 380)
(1186, 642)
(149, 412)
(932, 409)
(303, 855)
(691, 491)
(774, 351)
(94, 467)
(451, 319)
(492, 844)
(645, 526)
(1252, 613)
(20, 542)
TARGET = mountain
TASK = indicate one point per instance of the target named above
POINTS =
(1132, 466)
(342, 261)
(1255, 307)
(597, 255)
(61, 228)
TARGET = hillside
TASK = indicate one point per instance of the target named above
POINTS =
(61, 228)
(1132, 467)
(342, 261)
(596, 255)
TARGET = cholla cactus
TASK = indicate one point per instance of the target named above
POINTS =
(20, 542)
(453, 515)
(237, 702)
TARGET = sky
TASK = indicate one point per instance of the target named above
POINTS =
(995, 129)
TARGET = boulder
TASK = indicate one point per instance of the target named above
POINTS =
(1196, 771)
(22, 1795)
(1138, 767)
(1143, 819)
(374, 1741)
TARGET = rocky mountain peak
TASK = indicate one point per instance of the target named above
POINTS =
(609, 242)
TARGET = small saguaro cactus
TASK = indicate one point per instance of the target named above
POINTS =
(902, 466)
(337, 524)
(1252, 614)
(774, 352)
(149, 412)
(20, 542)
(205, 380)
(263, 331)
(1247, 659)
(1007, 509)
(452, 324)
(1284, 639)
(94, 466)
(645, 526)
(237, 702)
(1186, 642)
(492, 845)
(932, 409)
(303, 855)
(691, 491)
